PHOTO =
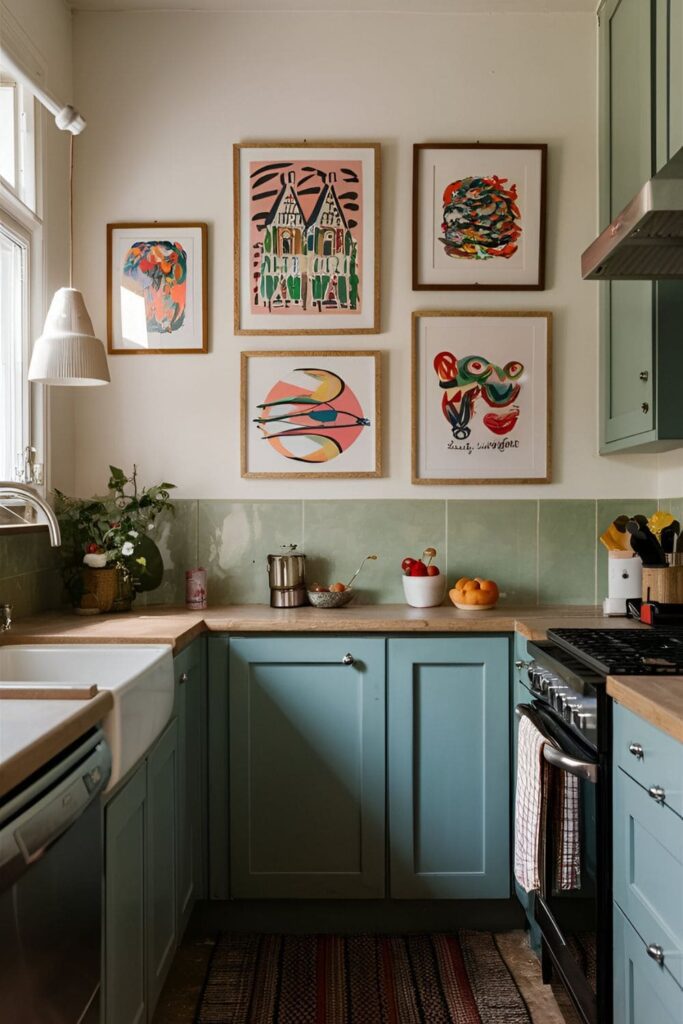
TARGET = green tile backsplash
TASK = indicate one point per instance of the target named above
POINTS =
(540, 552)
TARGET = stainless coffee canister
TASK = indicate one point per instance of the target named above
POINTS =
(286, 571)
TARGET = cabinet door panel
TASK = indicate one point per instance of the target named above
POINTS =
(643, 991)
(449, 773)
(630, 99)
(162, 884)
(190, 708)
(307, 767)
(629, 357)
(124, 904)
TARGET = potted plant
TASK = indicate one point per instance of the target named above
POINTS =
(108, 553)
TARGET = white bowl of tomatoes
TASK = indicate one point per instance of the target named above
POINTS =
(423, 584)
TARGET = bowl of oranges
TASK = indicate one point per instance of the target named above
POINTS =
(474, 595)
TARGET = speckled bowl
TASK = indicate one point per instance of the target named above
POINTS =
(328, 599)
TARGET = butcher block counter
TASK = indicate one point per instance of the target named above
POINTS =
(179, 627)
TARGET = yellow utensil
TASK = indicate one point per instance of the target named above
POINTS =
(658, 521)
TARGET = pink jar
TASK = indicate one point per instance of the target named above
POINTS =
(195, 589)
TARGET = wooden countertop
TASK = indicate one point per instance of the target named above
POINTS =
(179, 627)
(34, 731)
(657, 699)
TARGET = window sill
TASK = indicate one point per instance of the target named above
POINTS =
(7, 529)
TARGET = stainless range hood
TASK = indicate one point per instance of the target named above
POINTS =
(645, 241)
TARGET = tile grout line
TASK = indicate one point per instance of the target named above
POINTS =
(538, 552)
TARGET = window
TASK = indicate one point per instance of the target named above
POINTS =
(20, 286)
(17, 141)
(14, 250)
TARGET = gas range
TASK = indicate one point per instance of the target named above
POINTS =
(624, 652)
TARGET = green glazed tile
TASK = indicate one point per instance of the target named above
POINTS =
(176, 537)
(234, 539)
(26, 552)
(567, 545)
(338, 535)
(495, 540)
(608, 510)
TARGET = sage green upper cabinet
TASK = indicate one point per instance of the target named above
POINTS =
(307, 772)
(641, 350)
(449, 767)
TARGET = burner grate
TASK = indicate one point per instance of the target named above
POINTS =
(627, 652)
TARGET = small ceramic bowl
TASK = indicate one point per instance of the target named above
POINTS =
(331, 599)
(424, 591)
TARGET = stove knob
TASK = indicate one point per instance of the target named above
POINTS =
(557, 694)
(569, 709)
(582, 720)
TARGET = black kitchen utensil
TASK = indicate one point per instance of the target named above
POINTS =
(644, 543)
(669, 536)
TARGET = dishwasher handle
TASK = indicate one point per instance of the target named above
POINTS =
(27, 838)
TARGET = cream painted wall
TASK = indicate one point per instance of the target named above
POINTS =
(48, 26)
(166, 95)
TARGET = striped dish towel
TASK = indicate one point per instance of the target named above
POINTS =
(567, 830)
(530, 804)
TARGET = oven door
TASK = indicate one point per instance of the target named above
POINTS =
(568, 907)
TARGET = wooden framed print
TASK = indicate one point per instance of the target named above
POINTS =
(157, 289)
(479, 216)
(307, 238)
(311, 414)
(481, 409)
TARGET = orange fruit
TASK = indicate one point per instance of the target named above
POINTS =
(471, 585)
(337, 588)
(460, 585)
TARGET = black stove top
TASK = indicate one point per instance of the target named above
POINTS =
(624, 652)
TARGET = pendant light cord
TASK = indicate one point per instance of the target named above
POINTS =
(71, 210)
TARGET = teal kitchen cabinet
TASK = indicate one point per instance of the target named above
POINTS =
(307, 767)
(449, 767)
(190, 673)
(161, 837)
(647, 872)
(124, 983)
(641, 358)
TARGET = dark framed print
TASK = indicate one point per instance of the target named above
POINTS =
(479, 216)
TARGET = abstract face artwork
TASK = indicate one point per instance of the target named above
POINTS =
(158, 271)
(157, 288)
(481, 218)
(311, 417)
(481, 397)
(464, 381)
(306, 236)
(310, 414)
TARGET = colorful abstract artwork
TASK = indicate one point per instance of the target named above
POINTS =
(478, 216)
(157, 288)
(481, 418)
(306, 225)
(157, 270)
(310, 414)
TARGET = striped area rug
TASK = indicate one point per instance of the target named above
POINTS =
(361, 979)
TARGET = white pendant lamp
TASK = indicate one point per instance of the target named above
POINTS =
(68, 353)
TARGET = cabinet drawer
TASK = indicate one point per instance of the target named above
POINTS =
(661, 763)
(644, 992)
(648, 868)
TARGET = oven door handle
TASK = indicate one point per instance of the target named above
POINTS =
(587, 770)
(583, 769)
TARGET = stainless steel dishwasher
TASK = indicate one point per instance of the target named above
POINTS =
(51, 889)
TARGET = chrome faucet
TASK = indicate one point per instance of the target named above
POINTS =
(5, 617)
(9, 489)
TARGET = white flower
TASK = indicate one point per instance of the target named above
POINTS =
(127, 548)
(133, 533)
(95, 560)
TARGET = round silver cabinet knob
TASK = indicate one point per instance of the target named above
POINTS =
(637, 751)
(657, 793)
(348, 659)
(656, 953)
(182, 679)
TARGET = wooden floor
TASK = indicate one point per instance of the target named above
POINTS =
(179, 1000)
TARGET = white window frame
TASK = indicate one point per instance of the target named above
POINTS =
(27, 224)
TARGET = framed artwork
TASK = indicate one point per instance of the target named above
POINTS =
(156, 289)
(481, 397)
(311, 414)
(307, 238)
(479, 216)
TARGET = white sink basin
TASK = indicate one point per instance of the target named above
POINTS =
(139, 677)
